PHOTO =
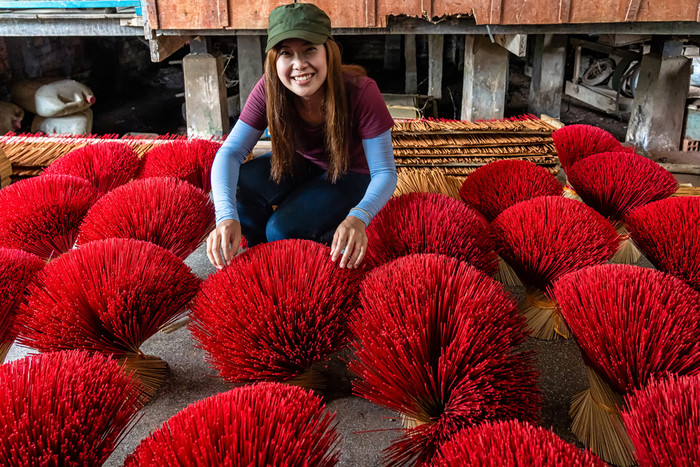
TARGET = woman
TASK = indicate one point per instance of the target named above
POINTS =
(331, 167)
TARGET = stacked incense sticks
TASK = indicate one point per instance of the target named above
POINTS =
(456, 148)
(30, 154)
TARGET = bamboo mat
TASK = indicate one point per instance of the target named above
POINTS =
(456, 147)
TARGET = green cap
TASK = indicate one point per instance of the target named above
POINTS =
(298, 21)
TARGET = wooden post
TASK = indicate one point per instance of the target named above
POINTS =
(392, 52)
(549, 59)
(485, 79)
(659, 99)
(250, 65)
(205, 95)
(409, 52)
(435, 47)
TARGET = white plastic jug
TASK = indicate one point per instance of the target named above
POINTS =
(75, 124)
(49, 97)
(11, 116)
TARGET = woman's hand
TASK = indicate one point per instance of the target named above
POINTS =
(350, 241)
(226, 238)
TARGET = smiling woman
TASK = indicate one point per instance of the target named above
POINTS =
(331, 168)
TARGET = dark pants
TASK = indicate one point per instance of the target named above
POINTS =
(308, 206)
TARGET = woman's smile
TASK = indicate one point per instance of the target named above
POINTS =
(302, 68)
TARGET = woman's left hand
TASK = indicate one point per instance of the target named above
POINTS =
(350, 241)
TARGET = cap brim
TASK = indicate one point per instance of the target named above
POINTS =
(313, 37)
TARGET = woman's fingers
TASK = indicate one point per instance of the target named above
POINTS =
(349, 243)
(225, 238)
(213, 243)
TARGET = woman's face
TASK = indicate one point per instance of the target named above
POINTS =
(302, 67)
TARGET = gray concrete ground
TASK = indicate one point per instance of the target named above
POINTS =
(366, 429)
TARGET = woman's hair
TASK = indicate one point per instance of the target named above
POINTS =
(283, 120)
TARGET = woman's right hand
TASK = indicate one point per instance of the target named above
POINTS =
(225, 238)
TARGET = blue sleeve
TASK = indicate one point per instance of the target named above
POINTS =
(382, 170)
(227, 163)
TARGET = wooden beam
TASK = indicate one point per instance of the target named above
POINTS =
(435, 46)
(409, 52)
(513, 43)
(485, 79)
(547, 82)
(164, 46)
(468, 80)
(205, 95)
(656, 121)
(250, 65)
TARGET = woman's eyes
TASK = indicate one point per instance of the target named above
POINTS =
(308, 50)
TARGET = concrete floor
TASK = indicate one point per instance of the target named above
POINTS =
(366, 429)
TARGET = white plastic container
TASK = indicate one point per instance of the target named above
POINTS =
(75, 124)
(11, 116)
(49, 97)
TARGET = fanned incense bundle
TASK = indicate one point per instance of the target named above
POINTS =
(187, 160)
(436, 342)
(667, 232)
(576, 142)
(499, 185)
(511, 444)
(544, 238)
(108, 296)
(169, 212)
(274, 312)
(105, 165)
(614, 183)
(662, 421)
(65, 408)
(256, 425)
(30, 153)
(17, 268)
(430, 223)
(633, 325)
(41, 215)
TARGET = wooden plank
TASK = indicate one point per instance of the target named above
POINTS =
(370, 13)
(427, 8)
(222, 11)
(495, 12)
(632, 10)
(564, 11)
(152, 14)
(435, 47)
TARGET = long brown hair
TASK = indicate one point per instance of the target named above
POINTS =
(284, 122)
